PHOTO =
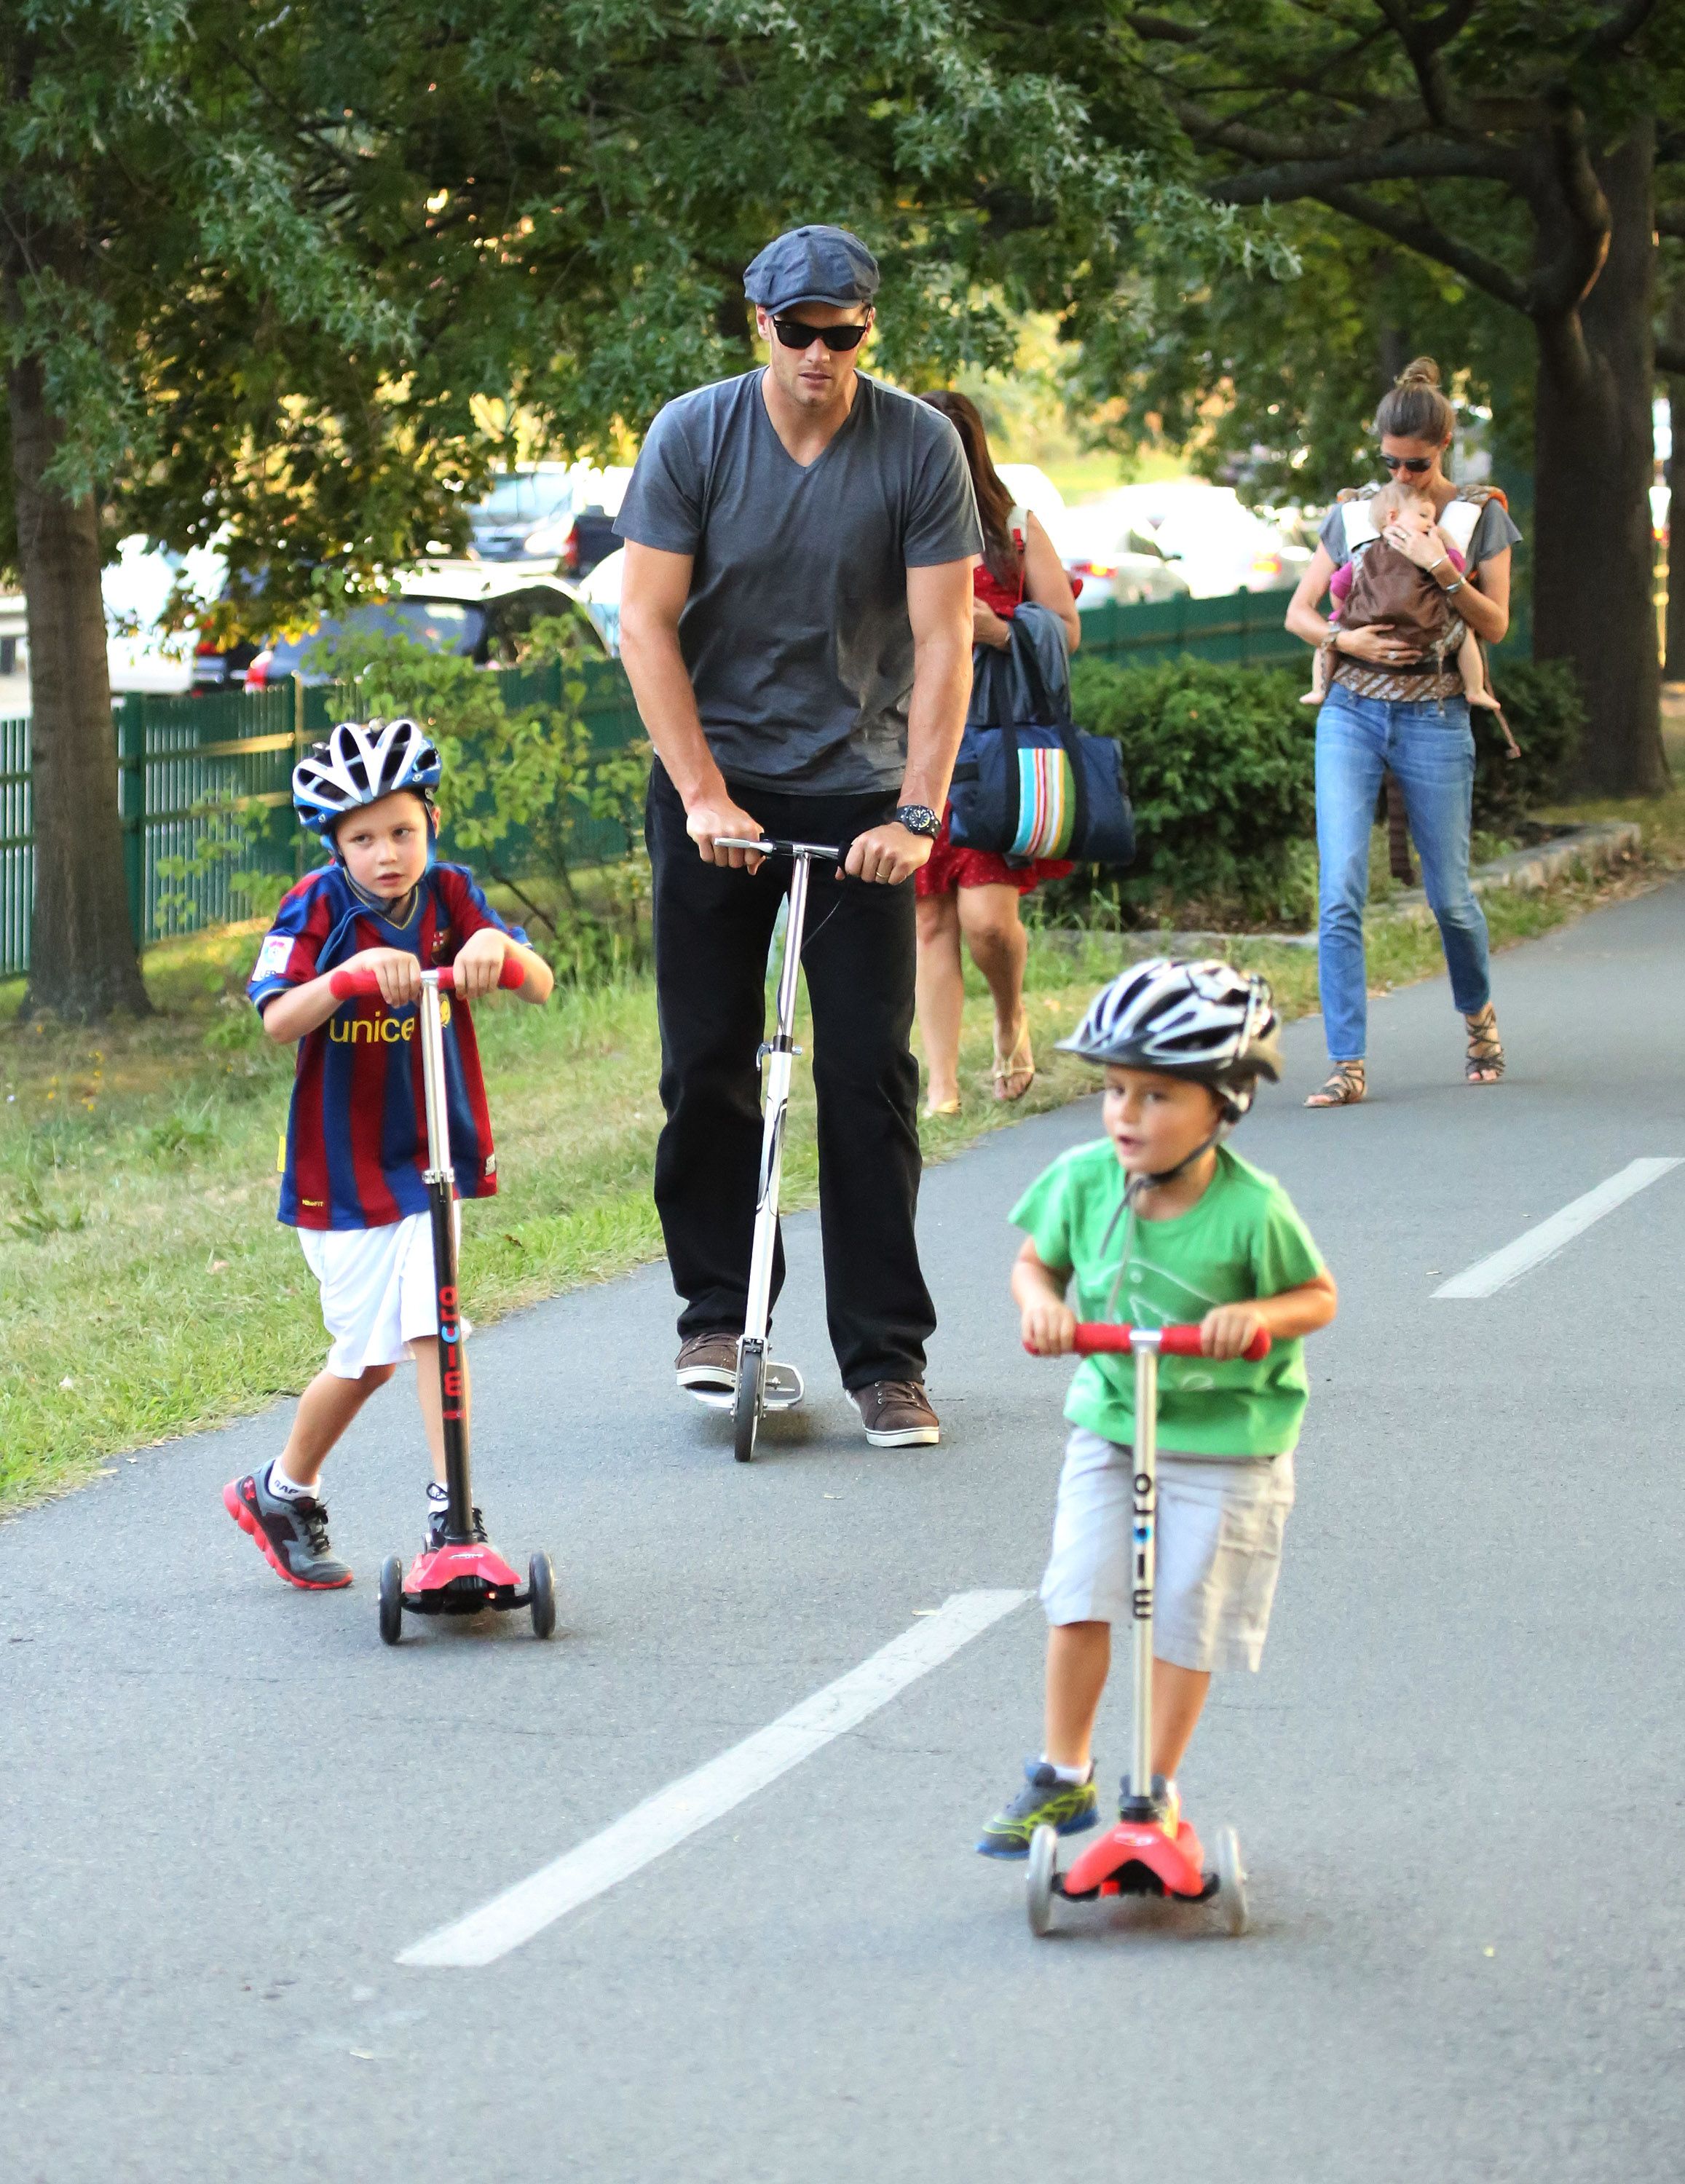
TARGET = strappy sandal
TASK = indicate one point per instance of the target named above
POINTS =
(1485, 1061)
(1347, 1085)
(1020, 1062)
(935, 1110)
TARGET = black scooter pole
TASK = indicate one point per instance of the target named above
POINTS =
(441, 1204)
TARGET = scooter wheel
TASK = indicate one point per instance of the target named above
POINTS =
(392, 1600)
(1231, 1882)
(746, 1417)
(541, 1594)
(1044, 1865)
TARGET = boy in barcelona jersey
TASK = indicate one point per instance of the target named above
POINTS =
(354, 1155)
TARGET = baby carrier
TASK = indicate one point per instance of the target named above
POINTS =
(1387, 586)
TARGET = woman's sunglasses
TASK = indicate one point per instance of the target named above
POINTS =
(1415, 464)
(796, 333)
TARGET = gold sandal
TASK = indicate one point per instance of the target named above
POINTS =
(1484, 1064)
(1346, 1087)
(1020, 1062)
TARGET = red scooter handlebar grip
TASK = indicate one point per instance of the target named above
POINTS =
(345, 984)
(1094, 1336)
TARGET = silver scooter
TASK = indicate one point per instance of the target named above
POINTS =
(763, 1384)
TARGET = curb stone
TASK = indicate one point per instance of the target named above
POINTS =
(1583, 849)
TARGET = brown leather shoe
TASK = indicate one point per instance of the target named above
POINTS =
(897, 1414)
(707, 1364)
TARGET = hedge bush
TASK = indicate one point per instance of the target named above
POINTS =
(1542, 703)
(1221, 767)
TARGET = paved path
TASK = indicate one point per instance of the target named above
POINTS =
(226, 1808)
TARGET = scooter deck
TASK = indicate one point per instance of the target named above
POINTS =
(781, 1390)
(461, 1581)
(1138, 1859)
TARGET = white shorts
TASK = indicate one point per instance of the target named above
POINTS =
(1219, 1549)
(377, 1294)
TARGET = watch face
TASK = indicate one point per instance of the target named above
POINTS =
(918, 819)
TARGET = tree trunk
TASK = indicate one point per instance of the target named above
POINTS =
(83, 960)
(1593, 576)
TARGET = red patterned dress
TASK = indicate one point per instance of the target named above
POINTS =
(947, 867)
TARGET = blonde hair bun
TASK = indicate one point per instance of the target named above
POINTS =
(1419, 371)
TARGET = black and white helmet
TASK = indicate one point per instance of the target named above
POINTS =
(361, 762)
(1206, 1021)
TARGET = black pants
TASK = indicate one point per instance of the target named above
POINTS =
(713, 927)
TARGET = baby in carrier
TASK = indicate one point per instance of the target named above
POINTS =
(1379, 584)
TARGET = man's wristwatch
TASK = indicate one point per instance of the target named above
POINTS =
(919, 819)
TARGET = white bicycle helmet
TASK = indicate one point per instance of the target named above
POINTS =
(1200, 1019)
(361, 762)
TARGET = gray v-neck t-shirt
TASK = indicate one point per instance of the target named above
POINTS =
(795, 632)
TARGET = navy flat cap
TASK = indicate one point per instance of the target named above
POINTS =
(812, 265)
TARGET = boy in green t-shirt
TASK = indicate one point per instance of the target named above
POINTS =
(1157, 1224)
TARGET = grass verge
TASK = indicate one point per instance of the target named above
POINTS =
(148, 1290)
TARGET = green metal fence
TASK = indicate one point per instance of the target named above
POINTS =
(186, 765)
(17, 870)
(177, 756)
(1243, 628)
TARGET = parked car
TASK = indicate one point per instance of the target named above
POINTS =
(1112, 564)
(600, 591)
(515, 505)
(136, 587)
(576, 539)
(1031, 487)
(1214, 543)
(530, 515)
(485, 614)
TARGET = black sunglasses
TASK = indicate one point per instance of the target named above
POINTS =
(796, 333)
(1416, 464)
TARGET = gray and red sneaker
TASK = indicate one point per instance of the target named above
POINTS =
(292, 1536)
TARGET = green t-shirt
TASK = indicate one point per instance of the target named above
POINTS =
(1242, 1240)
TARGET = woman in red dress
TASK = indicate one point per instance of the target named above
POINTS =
(965, 892)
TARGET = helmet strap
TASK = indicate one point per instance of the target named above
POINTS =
(1133, 1189)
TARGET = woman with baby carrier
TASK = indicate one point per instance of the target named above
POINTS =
(1431, 572)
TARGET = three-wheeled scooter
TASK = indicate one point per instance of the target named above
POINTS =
(1140, 1857)
(466, 1574)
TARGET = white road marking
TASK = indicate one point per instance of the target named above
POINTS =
(664, 1820)
(1497, 1272)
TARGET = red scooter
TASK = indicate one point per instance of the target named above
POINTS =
(1140, 1857)
(465, 1574)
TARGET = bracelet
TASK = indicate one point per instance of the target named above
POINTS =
(1439, 564)
(1448, 589)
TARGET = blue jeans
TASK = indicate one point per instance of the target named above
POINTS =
(1430, 751)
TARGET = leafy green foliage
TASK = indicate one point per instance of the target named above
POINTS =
(1307, 361)
(526, 798)
(1542, 703)
(1220, 762)
(379, 253)
(1221, 767)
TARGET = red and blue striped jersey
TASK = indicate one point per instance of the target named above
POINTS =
(355, 1150)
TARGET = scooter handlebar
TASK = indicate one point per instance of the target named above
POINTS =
(1096, 1335)
(347, 983)
(773, 847)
